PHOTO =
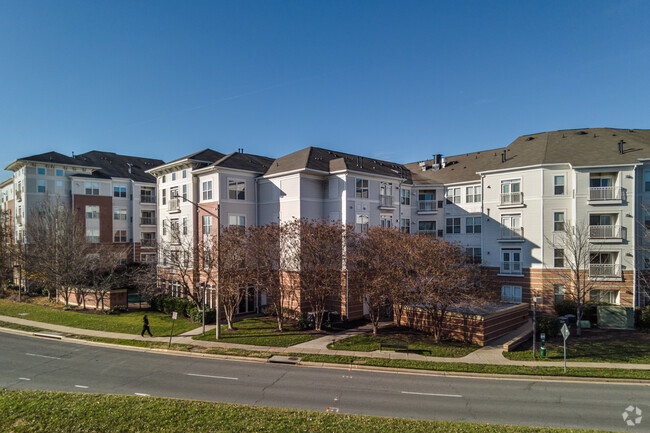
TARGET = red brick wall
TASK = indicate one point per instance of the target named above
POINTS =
(105, 213)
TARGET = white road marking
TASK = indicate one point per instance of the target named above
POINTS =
(81, 386)
(212, 377)
(142, 395)
(432, 394)
(42, 356)
(23, 378)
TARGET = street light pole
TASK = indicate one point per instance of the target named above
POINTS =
(204, 309)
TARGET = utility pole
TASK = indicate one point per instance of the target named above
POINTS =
(218, 319)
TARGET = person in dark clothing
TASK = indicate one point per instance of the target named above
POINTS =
(145, 326)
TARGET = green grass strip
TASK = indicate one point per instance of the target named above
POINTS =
(611, 351)
(54, 412)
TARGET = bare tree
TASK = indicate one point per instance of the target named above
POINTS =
(235, 267)
(106, 273)
(179, 255)
(373, 269)
(7, 249)
(57, 254)
(578, 254)
(315, 248)
(445, 279)
(143, 277)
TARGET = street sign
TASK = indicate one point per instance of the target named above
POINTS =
(565, 331)
(175, 316)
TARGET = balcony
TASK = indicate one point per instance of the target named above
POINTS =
(604, 271)
(427, 207)
(605, 232)
(148, 243)
(428, 232)
(514, 234)
(19, 195)
(386, 202)
(174, 205)
(605, 194)
(148, 199)
(512, 199)
(148, 221)
(19, 220)
(512, 268)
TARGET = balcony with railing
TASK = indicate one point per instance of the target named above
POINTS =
(605, 232)
(19, 195)
(174, 205)
(386, 202)
(604, 271)
(427, 206)
(512, 198)
(515, 234)
(148, 243)
(148, 221)
(147, 198)
(604, 193)
(19, 220)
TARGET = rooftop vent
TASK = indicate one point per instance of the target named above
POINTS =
(530, 138)
(582, 133)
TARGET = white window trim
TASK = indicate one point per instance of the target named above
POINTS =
(566, 180)
(236, 180)
(237, 215)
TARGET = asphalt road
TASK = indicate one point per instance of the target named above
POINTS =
(38, 364)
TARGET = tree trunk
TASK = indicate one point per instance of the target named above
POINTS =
(280, 320)
(578, 310)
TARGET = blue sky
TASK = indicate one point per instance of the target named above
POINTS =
(397, 80)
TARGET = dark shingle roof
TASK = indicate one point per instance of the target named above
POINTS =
(52, 158)
(114, 165)
(244, 161)
(205, 155)
(316, 158)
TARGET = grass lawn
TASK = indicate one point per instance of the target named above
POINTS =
(595, 345)
(127, 323)
(261, 331)
(31, 411)
(418, 342)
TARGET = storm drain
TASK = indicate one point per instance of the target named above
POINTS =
(279, 359)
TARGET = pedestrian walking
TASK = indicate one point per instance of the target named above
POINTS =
(145, 326)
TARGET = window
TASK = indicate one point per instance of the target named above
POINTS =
(362, 222)
(59, 172)
(453, 225)
(174, 226)
(92, 235)
(184, 192)
(119, 191)
(427, 227)
(646, 218)
(405, 225)
(41, 171)
(511, 261)
(474, 255)
(173, 192)
(92, 212)
(184, 174)
(173, 177)
(119, 214)
(405, 196)
(427, 195)
(473, 194)
(147, 217)
(608, 296)
(386, 221)
(236, 189)
(237, 220)
(646, 180)
(511, 192)
(164, 196)
(207, 225)
(558, 221)
(164, 179)
(164, 227)
(473, 224)
(453, 195)
(558, 185)
(207, 190)
(184, 225)
(558, 258)
(559, 292)
(511, 293)
(92, 188)
(119, 236)
(59, 184)
(40, 185)
(361, 188)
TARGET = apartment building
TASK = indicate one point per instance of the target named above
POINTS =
(110, 191)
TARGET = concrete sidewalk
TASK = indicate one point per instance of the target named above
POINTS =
(486, 355)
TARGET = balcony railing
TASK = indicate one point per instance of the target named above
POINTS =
(604, 193)
(386, 200)
(147, 243)
(19, 220)
(147, 199)
(508, 198)
(511, 268)
(148, 221)
(428, 232)
(604, 270)
(605, 232)
(511, 233)
(174, 204)
(427, 205)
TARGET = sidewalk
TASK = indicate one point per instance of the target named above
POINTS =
(491, 354)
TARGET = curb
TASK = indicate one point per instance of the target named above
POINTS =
(350, 367)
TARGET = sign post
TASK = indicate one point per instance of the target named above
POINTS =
(536, 299)
(565, 335)
(174, 316)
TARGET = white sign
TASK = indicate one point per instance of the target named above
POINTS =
(175, 316)
(565, 331)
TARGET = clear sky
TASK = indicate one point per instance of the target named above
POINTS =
(398, 80)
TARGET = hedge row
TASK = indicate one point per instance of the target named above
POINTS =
(182, 306)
